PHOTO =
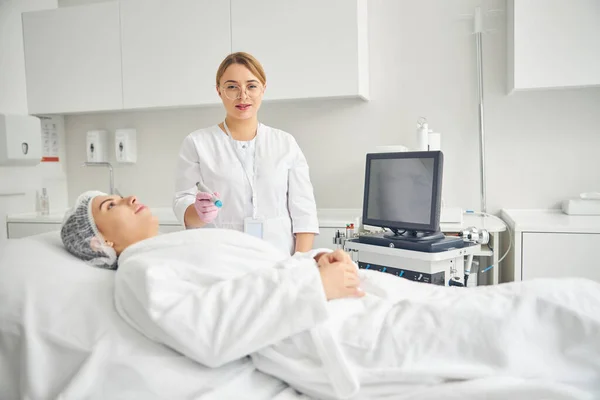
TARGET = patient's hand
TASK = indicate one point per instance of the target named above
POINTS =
(318, 256)
(339, 276)
(338, 256)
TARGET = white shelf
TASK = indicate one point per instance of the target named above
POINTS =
(550, 221)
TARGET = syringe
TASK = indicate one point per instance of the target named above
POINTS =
(214, 199)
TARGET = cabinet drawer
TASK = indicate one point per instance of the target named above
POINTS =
(18, 230)
(560, 255)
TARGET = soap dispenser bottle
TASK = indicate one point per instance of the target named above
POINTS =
(44, 203)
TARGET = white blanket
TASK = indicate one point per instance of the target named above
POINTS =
(217, 296)
(61, 338)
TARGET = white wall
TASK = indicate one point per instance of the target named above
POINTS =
(541, 146)
(13, 100)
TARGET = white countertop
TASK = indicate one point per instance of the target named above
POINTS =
(165, 217)
(550, 221)
(55, 217)
(491, 223)
(328, 217)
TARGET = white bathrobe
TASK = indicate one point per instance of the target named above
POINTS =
(220, 295)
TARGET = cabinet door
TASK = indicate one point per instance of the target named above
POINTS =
(553, 43)
(171, 51)
(309, 48)
(18, 230)
(561, 255)
(73, 59)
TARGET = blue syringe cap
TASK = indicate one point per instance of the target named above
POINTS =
(219, 203)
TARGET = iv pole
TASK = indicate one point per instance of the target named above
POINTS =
(479, 50)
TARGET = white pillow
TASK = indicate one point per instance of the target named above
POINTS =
(60, 334)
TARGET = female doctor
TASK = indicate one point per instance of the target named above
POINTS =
(259, 173)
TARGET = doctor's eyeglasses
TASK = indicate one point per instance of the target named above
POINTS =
(233, 91)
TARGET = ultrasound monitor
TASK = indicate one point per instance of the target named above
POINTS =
(403, 192)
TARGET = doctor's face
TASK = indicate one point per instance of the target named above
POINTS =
(241, 92)
(123, 221)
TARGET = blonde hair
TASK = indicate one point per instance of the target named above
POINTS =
(247, 61)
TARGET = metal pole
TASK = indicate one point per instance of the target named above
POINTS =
(479, 50)
(110, 169)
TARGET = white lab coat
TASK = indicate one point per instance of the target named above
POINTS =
(285, 198)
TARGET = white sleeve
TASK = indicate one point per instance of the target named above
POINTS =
(311, 253)
(301, 198)
(188, 173)
(224, 321)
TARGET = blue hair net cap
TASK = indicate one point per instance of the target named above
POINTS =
(81, 237)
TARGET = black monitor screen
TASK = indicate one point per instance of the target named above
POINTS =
(402, 190)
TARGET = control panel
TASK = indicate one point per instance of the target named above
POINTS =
(436, 279)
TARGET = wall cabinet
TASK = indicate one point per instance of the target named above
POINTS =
(171, 51)
(553, 44)
(137, 54)
(73, 59)
(309, 48)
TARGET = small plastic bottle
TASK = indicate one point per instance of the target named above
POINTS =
(350, 231)
(44, 203)
(422, 134)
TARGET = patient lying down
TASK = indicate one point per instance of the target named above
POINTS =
(325, 328)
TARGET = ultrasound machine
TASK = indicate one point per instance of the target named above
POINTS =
(403, 194)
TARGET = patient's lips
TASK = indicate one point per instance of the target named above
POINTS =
(140, 207)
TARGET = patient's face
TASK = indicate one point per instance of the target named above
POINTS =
(123, 221)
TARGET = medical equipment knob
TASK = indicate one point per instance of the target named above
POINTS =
(475, 235)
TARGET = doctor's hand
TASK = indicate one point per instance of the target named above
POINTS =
(207, 211)
(339, 278)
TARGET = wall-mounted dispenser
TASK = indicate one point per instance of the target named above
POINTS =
(20, 140)
(126, 146)
(97, 146)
